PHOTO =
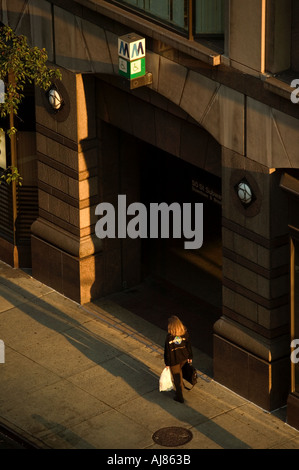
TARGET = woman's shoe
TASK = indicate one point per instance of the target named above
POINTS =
(180, 400)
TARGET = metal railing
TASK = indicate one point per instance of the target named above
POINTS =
(27, 212)
(6, 212)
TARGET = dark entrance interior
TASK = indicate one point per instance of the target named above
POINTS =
(165, 178)
(177, 281)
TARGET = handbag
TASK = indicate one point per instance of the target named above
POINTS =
(165, 381)
(189, 373)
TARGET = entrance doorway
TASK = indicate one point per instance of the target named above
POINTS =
(175, 280)
(165, 178)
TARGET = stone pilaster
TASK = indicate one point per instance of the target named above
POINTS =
(251, 340)
(65, 252)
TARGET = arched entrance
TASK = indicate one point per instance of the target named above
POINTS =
(159, 277)
(168, 179)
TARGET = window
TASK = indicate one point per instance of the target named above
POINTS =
(295, 310)
(173, 12)
(294, 39)
(209, 17)
(203, 17)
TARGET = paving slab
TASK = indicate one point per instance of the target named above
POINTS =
(111, 430)
(21, 376)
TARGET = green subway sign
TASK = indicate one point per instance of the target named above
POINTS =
(131, 70)
(131, 56)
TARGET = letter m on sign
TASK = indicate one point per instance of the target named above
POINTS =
(139, 51)
(123, 49)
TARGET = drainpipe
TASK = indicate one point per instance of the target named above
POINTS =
(263, 35)
(190, 20)
(14, 163)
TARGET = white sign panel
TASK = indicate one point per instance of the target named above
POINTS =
(131, 47)
(136, 66)
(2, 150)
(122, 65)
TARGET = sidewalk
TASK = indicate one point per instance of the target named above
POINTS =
(86, 377)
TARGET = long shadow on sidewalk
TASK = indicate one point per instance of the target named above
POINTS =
(85, 336)
(156, 299)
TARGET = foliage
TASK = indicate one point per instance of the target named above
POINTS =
(20, 64)
(11, 174)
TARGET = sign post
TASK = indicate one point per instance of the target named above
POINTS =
(2, 133)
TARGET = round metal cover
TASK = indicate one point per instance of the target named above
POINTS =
(172, 436)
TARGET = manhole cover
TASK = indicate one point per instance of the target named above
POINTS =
(172, 436)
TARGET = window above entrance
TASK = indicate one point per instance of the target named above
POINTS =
(190, 18)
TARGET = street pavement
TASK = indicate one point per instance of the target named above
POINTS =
(87, 377)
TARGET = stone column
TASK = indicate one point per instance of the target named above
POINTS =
(278, 35)
(247, 34)
(251, 339)
(66, 254)
(259, 36)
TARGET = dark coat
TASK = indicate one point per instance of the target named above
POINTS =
(177, 349)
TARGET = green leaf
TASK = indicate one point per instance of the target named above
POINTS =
(27, 65)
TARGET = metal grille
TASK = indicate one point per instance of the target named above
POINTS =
(6, 215)
(27, 207)
(27, 211)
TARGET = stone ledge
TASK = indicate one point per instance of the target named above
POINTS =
(289, 183)
(152, 30)
(278, 87)
(267, 349)
(75, 246)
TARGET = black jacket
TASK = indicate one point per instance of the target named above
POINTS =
(177, 349)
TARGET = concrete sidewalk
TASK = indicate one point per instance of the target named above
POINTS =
(86, 377)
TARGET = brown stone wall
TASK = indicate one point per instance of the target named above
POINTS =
(85, 41)
(65, 252)
(245, 40)
(155, 120)
(252, 337)
(278, 35)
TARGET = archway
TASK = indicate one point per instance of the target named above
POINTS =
(155, 278)
(168, 179)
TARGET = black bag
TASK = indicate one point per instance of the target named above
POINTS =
(189, 373)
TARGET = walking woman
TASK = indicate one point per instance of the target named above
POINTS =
(177, 352)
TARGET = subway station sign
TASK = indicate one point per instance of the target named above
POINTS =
(131, 56)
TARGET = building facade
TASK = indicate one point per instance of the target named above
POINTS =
(216, 121)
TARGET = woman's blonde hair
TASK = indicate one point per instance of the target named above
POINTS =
(175, 326)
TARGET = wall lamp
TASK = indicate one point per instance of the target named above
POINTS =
(55, 99)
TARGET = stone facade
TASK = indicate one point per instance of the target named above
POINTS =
(197, 95)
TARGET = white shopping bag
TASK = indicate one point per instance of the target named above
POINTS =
(165, 381)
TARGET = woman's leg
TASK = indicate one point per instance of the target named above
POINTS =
(178, 381)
